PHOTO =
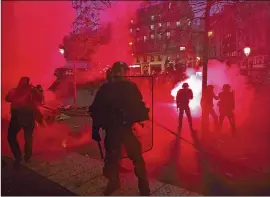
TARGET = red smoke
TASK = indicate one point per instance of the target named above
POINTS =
(118, 49)
(32, 32)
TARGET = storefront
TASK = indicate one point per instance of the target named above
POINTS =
(155, 68)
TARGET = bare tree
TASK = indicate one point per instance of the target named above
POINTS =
(88, 14)
(87, 32)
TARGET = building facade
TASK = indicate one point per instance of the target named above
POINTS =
(162, 34)
(240, 28)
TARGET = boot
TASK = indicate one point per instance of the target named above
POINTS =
(111, 187)
(144, 187)
(27, 158)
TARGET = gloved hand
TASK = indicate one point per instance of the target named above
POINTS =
(95, 134)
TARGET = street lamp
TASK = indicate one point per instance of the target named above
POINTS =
(62, 51)
(247, 52)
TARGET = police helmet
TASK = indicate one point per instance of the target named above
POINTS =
(226, 87)
(118, 66)
(185, 85)
(109, 74)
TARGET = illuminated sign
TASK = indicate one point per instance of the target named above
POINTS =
(134, 66)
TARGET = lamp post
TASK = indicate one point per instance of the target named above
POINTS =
(62, 51)
(247, 52)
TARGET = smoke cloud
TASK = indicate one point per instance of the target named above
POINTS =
(218, 75)
(32, 32)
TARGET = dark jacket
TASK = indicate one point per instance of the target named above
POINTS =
(183, 97)
(226, 100)
(118, 102)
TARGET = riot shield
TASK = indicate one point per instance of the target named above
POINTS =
(78, 119)
(145, 130)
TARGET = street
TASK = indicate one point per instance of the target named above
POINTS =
(221, 166)
(63, 51)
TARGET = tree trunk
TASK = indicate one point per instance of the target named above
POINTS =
(205, 117)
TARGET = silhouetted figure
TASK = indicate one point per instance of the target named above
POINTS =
(23, 107)
(116, 108)
(183, 97)
(207, 104)
(226, 107)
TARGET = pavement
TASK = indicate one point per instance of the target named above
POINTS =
(73, 174)
(26, 182)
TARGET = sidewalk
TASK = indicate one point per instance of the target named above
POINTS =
(79, 175)
(26, 182)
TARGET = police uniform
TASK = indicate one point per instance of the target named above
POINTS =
(114, 109)
(226, 107)
(207, 104)
(183, 97)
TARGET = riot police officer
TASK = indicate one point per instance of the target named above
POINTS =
(183, 97)
(207, 104)
(116, 107)
(226, 107)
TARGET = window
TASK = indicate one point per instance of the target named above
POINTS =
(131, 21)
(189, 22)
(152, 27)
(168, 34)
(182, 48)
(152, 36)
(152, 17)
(159, 58)
(138, 39)
(159, 24)
(168, 24)
(152, 58)
(130, 30)
(159, 36)
(178, 23)
(170, 5)
(138, 29)
(144, 38)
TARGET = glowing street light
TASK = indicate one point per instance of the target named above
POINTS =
(210, 33)
(62, 51)
(130, 43)
(247, 51)
(198, 58)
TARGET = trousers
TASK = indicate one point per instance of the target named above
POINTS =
(122, 136)
(209, 110)
(183, 109)
(21, 120)
(230, 115)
